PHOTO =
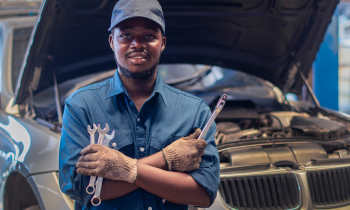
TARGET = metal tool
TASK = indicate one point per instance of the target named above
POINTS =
(102, 133)
(218, 108)
(91, 131)
(107, 139)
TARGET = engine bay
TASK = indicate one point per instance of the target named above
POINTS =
(287, 139)
(282, 124)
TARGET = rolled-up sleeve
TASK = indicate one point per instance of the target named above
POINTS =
(208, 174)
(73, 140)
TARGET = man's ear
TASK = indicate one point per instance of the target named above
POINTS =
(163, 43)
(110, 39)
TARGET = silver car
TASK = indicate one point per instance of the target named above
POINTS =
(274, 153)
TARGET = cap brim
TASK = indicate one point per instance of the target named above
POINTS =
(133, 16)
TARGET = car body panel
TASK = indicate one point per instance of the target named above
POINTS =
(51, 195)
(30, 143)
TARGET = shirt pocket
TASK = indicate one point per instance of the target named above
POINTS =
(122, 138)
(160, 141)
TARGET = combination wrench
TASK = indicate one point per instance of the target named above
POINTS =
(102, 133)
(107, 139)
(91, 131)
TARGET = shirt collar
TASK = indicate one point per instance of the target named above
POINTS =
(117, 87)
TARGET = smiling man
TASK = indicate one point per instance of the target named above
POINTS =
(155, 160)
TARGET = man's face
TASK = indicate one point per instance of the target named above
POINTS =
(137, 44)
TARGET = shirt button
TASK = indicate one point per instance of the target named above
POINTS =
(149, 208)
(114, 144)
(138, 119)
(142, 149)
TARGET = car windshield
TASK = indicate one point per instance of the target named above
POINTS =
(200, 78)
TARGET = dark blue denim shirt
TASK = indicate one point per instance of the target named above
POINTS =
(166, 116)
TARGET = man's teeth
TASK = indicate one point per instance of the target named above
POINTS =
(138, 57)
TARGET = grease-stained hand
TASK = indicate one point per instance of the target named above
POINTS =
(101, 161)
(185, 154)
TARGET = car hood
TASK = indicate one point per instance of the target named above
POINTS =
(270, 39)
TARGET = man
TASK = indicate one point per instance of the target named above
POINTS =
(153, 162)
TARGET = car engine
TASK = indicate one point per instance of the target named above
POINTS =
(283, 160)
(278, 124)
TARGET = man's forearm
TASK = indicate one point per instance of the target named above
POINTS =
(114, 189)
(175, 187)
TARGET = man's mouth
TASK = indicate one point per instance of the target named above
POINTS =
(137, 58)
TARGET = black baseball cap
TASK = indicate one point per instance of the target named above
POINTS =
(125, 9)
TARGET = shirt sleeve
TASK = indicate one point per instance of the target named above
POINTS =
(73, 139)
(208, 173)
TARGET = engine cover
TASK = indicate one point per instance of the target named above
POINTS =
(317, 127)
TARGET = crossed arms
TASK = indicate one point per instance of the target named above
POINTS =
(183, 155)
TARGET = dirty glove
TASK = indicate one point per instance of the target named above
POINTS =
(184, 154)
(101, 161)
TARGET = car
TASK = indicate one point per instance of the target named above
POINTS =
(29, 185)
(274, 153)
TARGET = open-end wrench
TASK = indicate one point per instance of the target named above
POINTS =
(91, 131)
(107, 139)
(102, 133)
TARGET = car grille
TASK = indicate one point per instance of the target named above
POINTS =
(272, 191)
(329, 187)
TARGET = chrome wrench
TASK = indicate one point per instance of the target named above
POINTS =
(218, 108)
(102, 133)
(91, 131)
(107, 139)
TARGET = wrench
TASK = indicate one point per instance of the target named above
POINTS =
(91, 131)
(219, 106)
(107, 139)
(101, 136)
(102, 133)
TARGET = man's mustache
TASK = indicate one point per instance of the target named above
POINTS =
(143, 52)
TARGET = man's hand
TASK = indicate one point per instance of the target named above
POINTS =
(184, 154)
(101, 161)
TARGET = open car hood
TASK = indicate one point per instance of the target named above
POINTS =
(270, 39)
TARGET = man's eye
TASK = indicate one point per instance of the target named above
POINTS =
(150, 37)
(125, 36)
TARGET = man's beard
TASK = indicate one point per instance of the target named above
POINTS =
(138, 75)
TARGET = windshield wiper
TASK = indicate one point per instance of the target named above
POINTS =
(192, 78)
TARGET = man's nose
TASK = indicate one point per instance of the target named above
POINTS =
(138, 43)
